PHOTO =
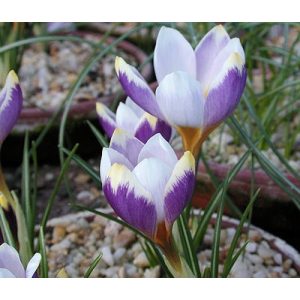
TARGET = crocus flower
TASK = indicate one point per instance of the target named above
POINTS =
(197, 89)
(146, 185)
(132, 118)
(10, 107)
(11, 266)
(11, 100)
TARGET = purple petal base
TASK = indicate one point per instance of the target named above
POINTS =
(179, 196)
(144, 132)
(135, 210)
(222, 100)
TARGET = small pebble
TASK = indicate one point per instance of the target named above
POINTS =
(141, 260)
(107, 255)
(119, 254)
(278, 258)
(251, 247)
(152, 272)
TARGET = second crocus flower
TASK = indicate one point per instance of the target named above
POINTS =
(133, 119)
(146, 185)
(197, 90)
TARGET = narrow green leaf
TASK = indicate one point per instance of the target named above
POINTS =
(5, 229)
(200, 232)
(56, 188)
(26, 201)
(234, 259)
(100, 138)
(93, 265)
(217, 234)
(23, 236)
(43, 252)
(228, 262)
(186, 239)
(85, 166)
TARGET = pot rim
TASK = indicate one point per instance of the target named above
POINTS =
(34, 114)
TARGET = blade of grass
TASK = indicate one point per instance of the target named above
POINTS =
(42, 251)
(26, 201)
(292, 190)
(100, 138)
(56, 188)
(85, 166)
(201, 229)
(186, 239)
(217, 234)
(228, 262)
(235, 257)
(5, 229)
(93, 265)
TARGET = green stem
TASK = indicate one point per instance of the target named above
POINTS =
(171, 253)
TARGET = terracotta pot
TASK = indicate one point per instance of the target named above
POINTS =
(34, 119)
(86, 106)
(276, 244)
(273, 210)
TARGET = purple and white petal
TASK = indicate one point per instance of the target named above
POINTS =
(130, 200)
(158, 147)
(226, 91)
(134, 107)
(108, 158)
(126, 118)
(106, 119)
(181, 100)
(33, 265)
(173, 53)
(153, 174)
(136, 87)
(208, 49)
(149, 126)
(11, 101)
(10, 260)
(180, 187)
(126, 144)
(233, 46)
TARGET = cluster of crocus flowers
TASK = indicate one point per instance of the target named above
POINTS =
(146, 185)
(11, 101)
(197, 89)
(11, 265)
(132, 118)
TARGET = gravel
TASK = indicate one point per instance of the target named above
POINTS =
(73, 241)
(47, 73)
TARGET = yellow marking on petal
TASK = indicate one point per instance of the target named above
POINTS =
(117, 64)
(233, 61)
(3, 201)
(120, 175)
(12, 77)
(100, 108)
(151, 120)
(185, 163)
(116, 175)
